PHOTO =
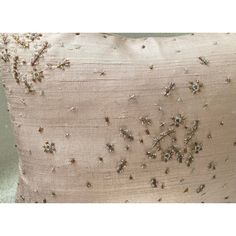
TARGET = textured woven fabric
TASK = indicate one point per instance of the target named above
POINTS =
(102, 118)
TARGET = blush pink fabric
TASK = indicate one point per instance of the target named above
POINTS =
(85, 130)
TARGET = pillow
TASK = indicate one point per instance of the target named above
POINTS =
(103, 118)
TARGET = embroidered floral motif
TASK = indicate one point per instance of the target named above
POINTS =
(37, 76)
(195, 87)
(64, 64)
(49, 147)
(121, 166)
(20, 41)
(39, 53)
(126, 134)
(178, 120)
(145, 120)
(169, 88)
(203, 61)
(5, 55)
(15, 71)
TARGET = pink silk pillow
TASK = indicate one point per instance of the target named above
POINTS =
(103, 118)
